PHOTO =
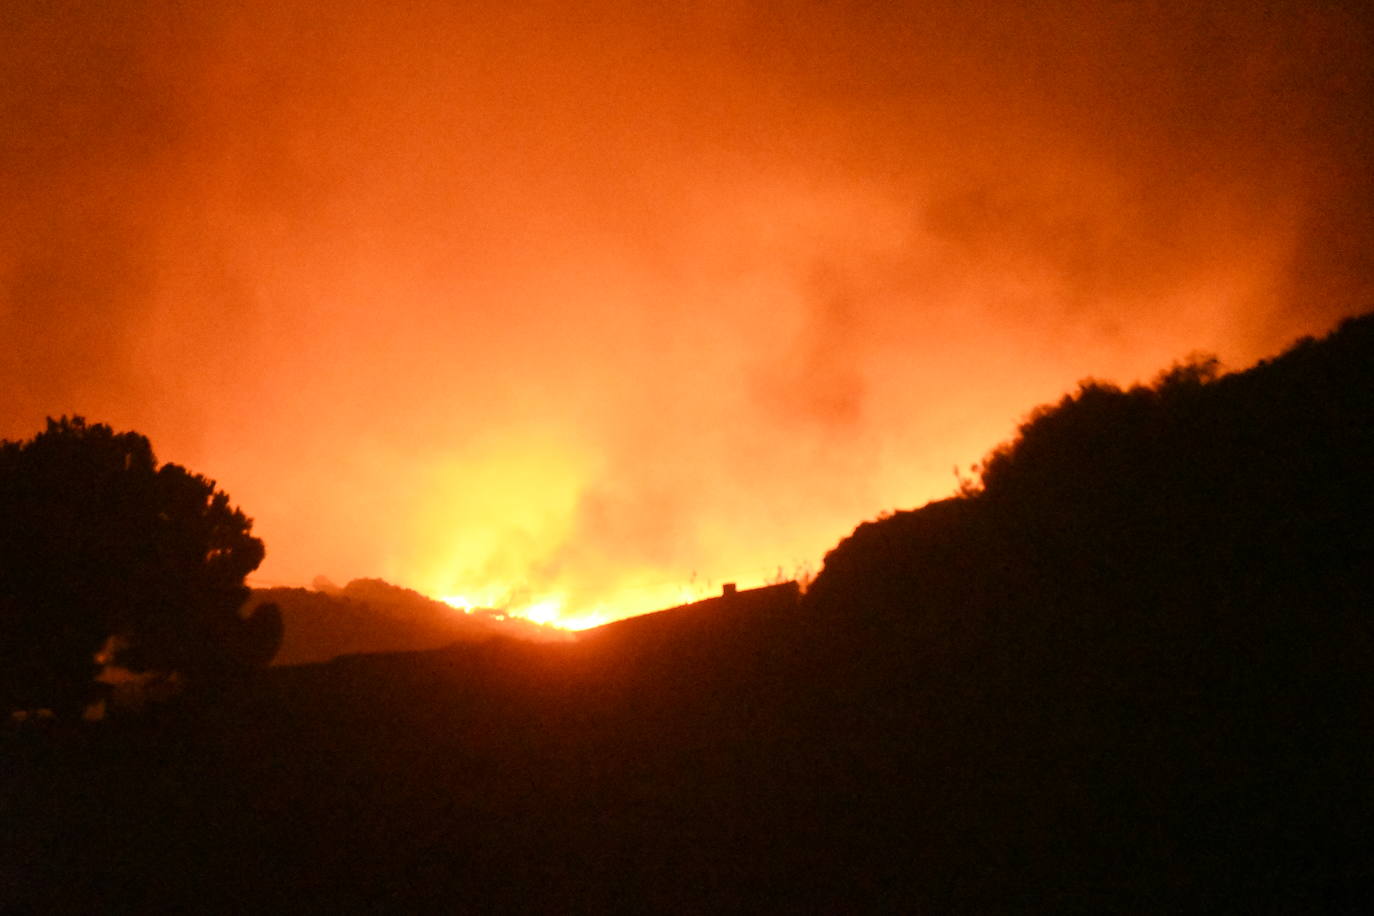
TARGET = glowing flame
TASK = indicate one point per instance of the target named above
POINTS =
(545, 611)
(558, 610)
(621, 334)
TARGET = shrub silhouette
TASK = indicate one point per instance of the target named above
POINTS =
(1161, 596)
(102, 548)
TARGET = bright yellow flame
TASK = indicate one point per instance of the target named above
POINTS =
(583, 621)
(471, 600)
(557, 610)
(546, 611)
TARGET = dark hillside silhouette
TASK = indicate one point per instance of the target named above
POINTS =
(1126, 672)
(370, 615)
(1149, 629)
(704, 621)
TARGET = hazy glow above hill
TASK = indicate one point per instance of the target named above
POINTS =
(587, 309)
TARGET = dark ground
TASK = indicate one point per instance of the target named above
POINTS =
(680, 766)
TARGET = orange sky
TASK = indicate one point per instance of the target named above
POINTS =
(573, 302)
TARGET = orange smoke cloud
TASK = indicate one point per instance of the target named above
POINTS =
(593, 308)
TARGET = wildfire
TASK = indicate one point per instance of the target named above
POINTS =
(547, 611)
(561, 611)
(457, 308)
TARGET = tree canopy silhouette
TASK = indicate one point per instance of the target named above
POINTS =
(103, 550)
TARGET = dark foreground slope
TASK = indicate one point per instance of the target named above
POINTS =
(1142, 647)
(1131, 674)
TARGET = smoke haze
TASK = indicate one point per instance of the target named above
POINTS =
(578, 301)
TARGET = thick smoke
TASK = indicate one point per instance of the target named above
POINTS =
(584, 301)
